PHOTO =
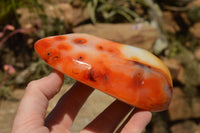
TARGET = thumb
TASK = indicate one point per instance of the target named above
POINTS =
(32, 108)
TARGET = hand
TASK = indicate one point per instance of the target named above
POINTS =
(30, 116)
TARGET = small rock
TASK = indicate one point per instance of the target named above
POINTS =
(196, 107)
(197, 53)
(27, 19)
(79, 15)
(159, 126)
(77, 3)
(194, 3)
(185, 127)
(63, 11)
(185, 18)
(174, 66)
(197, 129)
(160, 45)
(22, 76)
(170, 24)
(176, 69)
(181, 76)
(179, 108)
(139, 35)
(195, 30)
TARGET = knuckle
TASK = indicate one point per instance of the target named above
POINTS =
(31, 85)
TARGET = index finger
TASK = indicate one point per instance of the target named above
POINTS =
(136, 122)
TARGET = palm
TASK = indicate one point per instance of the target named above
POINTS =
(32, 110)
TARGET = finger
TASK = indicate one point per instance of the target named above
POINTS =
(32, 108)
(68, 106)
(136, 122)
(109, 119)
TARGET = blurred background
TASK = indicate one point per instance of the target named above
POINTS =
(168, 28)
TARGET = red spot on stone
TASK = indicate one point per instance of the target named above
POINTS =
(109, 47)
(81, 56)
(138, 78)
(80, 40)
(60, 38)
(41, 46)
(64, 46)
(52, 57)
(114, 50)
(99, 47)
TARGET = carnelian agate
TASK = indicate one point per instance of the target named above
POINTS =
(130, 74)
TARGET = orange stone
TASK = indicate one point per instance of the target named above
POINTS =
(130, 74)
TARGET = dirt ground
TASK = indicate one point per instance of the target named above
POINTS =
(88, 112)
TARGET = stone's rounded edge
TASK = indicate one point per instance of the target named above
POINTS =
(146, 58)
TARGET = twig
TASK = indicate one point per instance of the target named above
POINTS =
(176, 9)
(9, 35)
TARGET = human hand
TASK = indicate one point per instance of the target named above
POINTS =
(30, 116)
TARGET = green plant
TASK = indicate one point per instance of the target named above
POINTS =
(194, 14)
(51, 26)
(5, 92)
(111, 10)
(8, 10)
(9, 72)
